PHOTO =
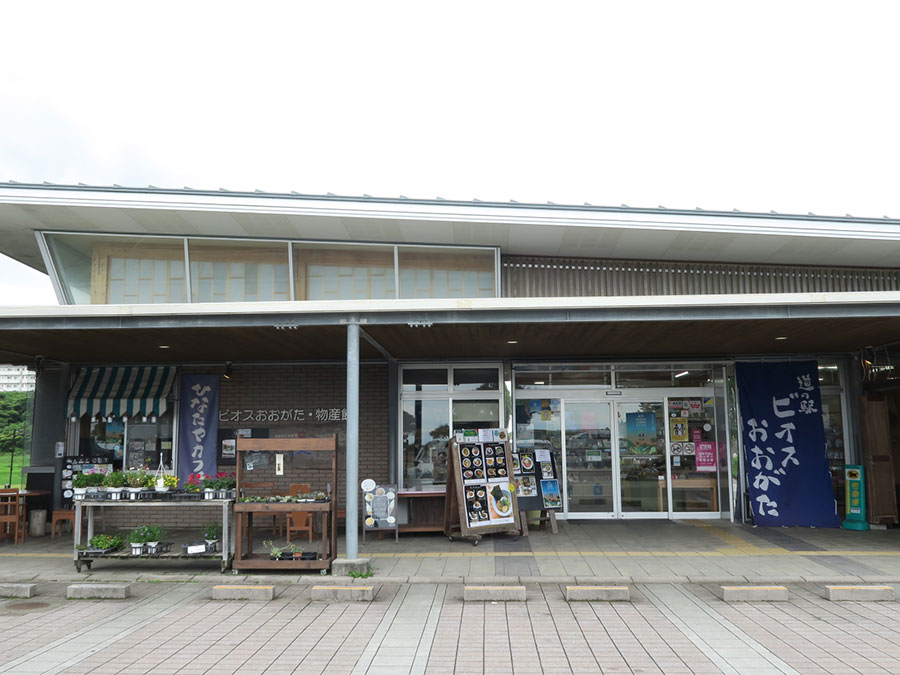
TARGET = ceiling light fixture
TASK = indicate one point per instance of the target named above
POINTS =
(227, 373)
(781, 337)
(512, 342)
(539, 382)
(164, 346)
(682, 373)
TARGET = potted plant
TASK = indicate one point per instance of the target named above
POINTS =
(211, 534)
(166, 482)
(104, 543)
(138, 539)
(274, 551)
(135, 482)
(114, 483)
(80, 484)
(224, 485)
(193, 485)
(209, 487)
(154, 534)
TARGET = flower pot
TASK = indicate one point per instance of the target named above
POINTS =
(114, 493)
(211, 545)
(163, 488)
(137, 549)
(79, 493)
(134, 493)
(209, 493)
(152, 547)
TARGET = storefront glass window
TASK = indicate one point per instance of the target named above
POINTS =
(564, 377)
(476, 414)
(538, 427)
(431, 411)
(834, 444)
(119, 270)
(425, 379)
(684, 377)
(426, 431)
(475, 379)
(343, 272)
(127, 444)
(829, 374)
(694, 454)
(238, 271)
(446, 272)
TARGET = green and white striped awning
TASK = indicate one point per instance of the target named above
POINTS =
(131, 390)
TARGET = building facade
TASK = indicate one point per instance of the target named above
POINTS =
(565, 326)
(16, 378)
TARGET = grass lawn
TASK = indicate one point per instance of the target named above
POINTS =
(18, 479)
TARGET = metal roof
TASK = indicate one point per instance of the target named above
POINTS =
(623, 208)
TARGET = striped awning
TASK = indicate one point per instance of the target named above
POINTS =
(131, 390)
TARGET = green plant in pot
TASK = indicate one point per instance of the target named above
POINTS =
(135, 482)
(114, 483)
(147, 536)
(86, 482)
(106, 542)
(274, 551)
(211, 534)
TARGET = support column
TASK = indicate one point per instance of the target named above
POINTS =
(352, 450)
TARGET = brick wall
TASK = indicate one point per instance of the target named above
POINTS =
(306, 388)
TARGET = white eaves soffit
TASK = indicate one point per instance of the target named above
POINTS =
(517, 229)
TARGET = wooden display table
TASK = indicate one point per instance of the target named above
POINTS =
(245, 558)
(87, 507)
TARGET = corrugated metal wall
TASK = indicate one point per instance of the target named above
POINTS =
(568, 277)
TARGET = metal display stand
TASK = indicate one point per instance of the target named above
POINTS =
(244, 557)
(86, 507)
(459, 506)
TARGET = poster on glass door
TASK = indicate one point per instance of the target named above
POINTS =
(640, 433)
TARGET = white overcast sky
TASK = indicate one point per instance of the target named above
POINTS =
(791, 106)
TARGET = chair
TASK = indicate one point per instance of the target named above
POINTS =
(263, 489)
(10, 519)
(61, 517)
(299, 521)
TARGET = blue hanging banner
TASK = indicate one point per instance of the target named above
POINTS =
(784, 444)
(198, 425)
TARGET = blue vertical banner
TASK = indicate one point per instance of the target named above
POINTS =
(198, 425)
(784, 444)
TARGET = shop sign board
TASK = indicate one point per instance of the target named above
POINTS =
(784, 442)
(198, 425)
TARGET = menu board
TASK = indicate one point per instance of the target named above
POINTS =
(379, 503)
(481, 483)
(536, 481)
(486, 484)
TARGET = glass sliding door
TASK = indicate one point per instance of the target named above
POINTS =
(694, 454)
(589, 457)
(641, 427)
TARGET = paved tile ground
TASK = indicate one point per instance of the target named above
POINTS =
(418, 622)
(633, 551)
(169, 628)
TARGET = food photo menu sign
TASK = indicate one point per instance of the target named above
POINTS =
(485, 473)
(536, 481)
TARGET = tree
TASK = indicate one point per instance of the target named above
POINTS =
(12, 420)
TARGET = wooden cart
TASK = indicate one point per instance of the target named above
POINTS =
(244, 557)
